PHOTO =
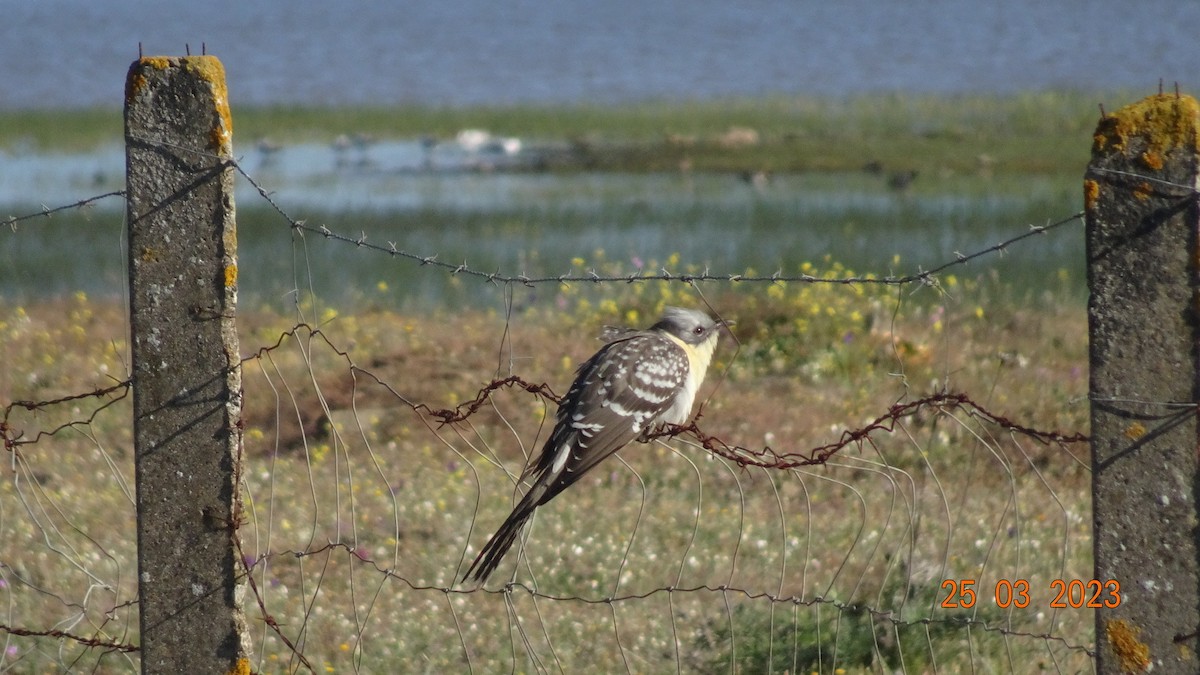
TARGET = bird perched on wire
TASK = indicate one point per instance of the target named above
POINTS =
(639, 381)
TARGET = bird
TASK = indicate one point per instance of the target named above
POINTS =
(638, 382)
(900, 180)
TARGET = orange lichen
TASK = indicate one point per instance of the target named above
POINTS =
(231, 274)
(1133, 654)
(1135, 431)
(242, 667)
(212, 71)
(134, 83)
(136, 80)
(1142, 191)
(159, 62)
(209, 69)
(1091, 193)
(1162, 122)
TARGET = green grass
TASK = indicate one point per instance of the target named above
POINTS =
(57, 130)
(1047, 132)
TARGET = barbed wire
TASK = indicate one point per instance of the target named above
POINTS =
(927, 277)
(47, 211)
(767, 457)
(13, 437)
(591, 275)
(96, 643)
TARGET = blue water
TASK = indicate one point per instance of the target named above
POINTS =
(57, 53)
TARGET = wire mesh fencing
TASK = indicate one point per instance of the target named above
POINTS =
(881, 473)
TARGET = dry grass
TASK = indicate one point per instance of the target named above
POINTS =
(362, 511)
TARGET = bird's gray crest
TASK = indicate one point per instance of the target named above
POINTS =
(678, 321)
(690, 325)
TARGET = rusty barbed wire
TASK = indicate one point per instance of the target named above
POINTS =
(266, 617)
(92, 642)
(767, 457)
(13, 438)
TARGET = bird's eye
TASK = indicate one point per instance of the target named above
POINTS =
(698, 330)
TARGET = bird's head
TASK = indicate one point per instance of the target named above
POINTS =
(690, 325)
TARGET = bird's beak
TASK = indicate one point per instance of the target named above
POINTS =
(727, 324)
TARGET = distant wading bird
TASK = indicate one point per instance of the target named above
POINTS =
(639, 381)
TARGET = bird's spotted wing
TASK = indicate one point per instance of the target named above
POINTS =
(619, 393)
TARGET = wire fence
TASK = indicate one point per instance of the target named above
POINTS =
(766, 535)
(931, 535)
(885, 472)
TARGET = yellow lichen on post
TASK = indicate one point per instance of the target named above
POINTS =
(208, 69)
(1166, 121)
(231, 274)
(1091, 192)
(1132, 653)
(1135, 431)
(212, 71)
(133, 84)
(158, 62)
(136, 81)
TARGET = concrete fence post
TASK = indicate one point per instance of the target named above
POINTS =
(1143, 265)
(186, 373)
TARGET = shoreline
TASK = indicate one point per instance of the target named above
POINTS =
(1045, 132)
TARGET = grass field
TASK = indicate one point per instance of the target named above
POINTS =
(362, 511)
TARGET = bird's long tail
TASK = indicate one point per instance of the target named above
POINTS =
(493, 552)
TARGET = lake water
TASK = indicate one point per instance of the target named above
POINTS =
(532, 223)
(75, 52)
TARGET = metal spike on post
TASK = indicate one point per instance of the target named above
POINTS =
(1143, 253)
(186, 372)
